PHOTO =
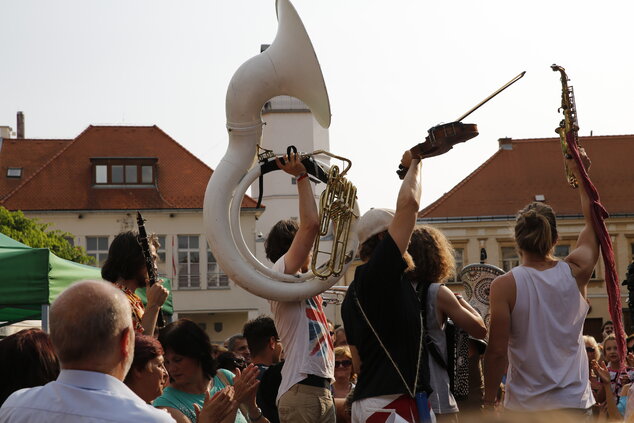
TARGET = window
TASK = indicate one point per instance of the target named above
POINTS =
(124, 171)
(101, 174)
(146, 175)
(216, 278)
(293, 181)
(509, 258)
(562, 251)
(161, 255)
(97, 247)
(459, 256)
(188, 261)
(14, 172)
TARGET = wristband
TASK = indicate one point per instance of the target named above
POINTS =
(301, 176)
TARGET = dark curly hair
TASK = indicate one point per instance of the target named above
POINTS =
(433, 256)
(367, 248)
(280, 239)
(125, 258)
(185, 337)
(536, 229)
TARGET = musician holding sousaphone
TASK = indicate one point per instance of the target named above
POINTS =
(304, 394)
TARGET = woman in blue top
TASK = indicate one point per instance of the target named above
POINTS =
(193, 374)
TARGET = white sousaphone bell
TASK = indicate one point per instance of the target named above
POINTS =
(288, 67)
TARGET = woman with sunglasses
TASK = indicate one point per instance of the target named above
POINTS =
(345, 379)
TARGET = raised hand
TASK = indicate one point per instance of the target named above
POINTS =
(601, 371)
(292, 164)
(222, 408)
(156, 294)
(246, 384)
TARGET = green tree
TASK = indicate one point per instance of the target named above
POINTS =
(36, 235)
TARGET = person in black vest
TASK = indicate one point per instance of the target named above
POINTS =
(382, 314)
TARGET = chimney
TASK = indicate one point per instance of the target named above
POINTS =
(505, 143)
(20, 131)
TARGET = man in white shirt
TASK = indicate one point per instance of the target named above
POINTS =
(304, 394)
(92, 333)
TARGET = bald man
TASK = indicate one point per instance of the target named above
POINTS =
(92, 333)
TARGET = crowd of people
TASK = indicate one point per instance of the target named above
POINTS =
(106, 361)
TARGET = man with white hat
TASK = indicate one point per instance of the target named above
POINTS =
(382, 314)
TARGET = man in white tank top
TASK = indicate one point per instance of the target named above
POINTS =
(537, 315)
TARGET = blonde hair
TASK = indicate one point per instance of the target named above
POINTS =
(433, 255)
(344, 351)
(536, 229)
(593, 343)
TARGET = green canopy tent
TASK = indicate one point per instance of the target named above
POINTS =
(31, 279)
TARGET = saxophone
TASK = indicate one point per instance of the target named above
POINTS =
(568, 128)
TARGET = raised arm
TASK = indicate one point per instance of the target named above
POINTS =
(302, 244)
(407, 203)
(462, 314)
(586, 253)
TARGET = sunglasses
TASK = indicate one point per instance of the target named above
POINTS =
(344, 363)
(589, 349)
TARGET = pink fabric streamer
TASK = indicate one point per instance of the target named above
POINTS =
(599, 214)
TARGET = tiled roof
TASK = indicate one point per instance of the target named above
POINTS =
(512, 177)
(26, 154)
(57, 174)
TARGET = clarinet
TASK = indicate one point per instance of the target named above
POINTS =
(149, 263)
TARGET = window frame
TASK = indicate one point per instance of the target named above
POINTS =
(98, 253)
(217, 274)
(501, 247)
(458, 245)
(125, 163)
(19, 172)
(189, 276)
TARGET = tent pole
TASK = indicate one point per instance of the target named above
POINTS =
(45, 310)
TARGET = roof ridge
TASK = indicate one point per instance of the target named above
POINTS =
(586, 137)
(44, 166)
(446, 195)
(38, 139)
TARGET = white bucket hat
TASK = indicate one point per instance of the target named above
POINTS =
(373, 222)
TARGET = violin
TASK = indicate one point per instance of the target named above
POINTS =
(442, 138)
(439, 140)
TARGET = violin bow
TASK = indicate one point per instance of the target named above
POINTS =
(505, 86)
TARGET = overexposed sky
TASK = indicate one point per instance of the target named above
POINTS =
(393, 69)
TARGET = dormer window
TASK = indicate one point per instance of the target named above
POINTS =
(14, 172)
(124, 171)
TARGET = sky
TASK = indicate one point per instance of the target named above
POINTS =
(393, 69)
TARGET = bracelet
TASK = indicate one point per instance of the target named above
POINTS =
(258, 417)
(301, 176)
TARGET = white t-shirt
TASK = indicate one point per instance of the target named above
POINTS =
(303, 331)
